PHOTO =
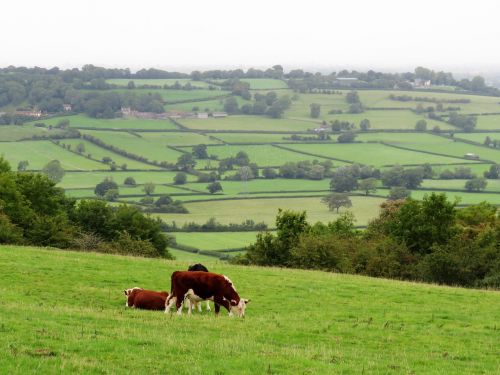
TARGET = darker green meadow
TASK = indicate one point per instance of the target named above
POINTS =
(64, 312)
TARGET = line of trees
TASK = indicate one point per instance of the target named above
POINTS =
(428, 240)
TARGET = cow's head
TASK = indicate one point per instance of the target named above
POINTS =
(238, 308)
(130, 290)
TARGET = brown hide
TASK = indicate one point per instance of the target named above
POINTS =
(147, 299)
(204, 285)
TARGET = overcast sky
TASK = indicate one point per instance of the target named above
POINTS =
(381, 34)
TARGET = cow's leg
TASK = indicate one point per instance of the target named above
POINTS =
(220, 301)
(199, 306)
(208, 306)
(169, 303)
(179, 302)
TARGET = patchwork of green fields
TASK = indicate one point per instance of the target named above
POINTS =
(63, 312)
(10, 133)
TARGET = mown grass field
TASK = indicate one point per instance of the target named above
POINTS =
(265, 83)
(9, 133)
(477, 137)
(265, 210)
(215, 240)
(491, 122)
(39, 153)
(63, 312)
(124, 123)
(172, 96)
(373, 154)
(250, 123)
(263, 155)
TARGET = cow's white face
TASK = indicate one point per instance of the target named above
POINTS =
(239, 308)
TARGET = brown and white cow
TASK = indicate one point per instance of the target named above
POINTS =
(190, 302)
(199, 286)
(145, 299)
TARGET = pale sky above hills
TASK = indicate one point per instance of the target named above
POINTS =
(183, 35)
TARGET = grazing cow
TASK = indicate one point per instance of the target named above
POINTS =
(199, 285)
(145, 299)
(191, 302)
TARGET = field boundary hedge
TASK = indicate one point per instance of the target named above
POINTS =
(311, 154)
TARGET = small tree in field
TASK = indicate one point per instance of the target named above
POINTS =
(368, 185)
(22, 165)
(129, 181)
(149, 188)
(80, 148)
(180, 178)
(214, 187)
(365, 124)
(315, 110)
(421, 126)
(54, 171)
(476, 184)
(336, 200)
(399, 192)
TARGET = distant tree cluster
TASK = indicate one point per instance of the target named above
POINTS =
(428, 240)
(467, 123)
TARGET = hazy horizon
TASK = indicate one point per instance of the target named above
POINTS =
(385, 36)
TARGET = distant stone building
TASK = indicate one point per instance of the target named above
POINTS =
(32, 113)
(219, 114)
(471, 156)
(202, 115)
(67, 107)
(422, 82)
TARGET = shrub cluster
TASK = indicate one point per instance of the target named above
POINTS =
(35, 212)
(428, 240)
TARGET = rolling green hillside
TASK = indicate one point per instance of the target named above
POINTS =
(63, 312)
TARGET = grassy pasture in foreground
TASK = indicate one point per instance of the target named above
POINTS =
(63, 312)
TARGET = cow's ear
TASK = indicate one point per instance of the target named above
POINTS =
(125, 291)
(233, 302)
(246, 301)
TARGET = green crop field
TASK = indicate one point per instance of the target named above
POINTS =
(98, 153)
(90, 179)
(477, 137)
(238, 210)
(491, 122)
(151, 148)
(173, 96)
(372, 154)
(216, 240)
(236, 138)
(250, 123)
(63, 312)
(178, 139)
(39, 153)
(83, 122)
(263, 185)
(464, 197)
(265, 83)
(493, 185)
(478, 104)
(263, 155)
(158, 82)
(9, 133)
(214, 105)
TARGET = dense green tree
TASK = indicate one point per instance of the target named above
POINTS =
(149, 188)
(368, 185)
(476, 184)
(180, 178)
(343, 180)
(269, 173)
(399, 192)
(365, 124)
(315, 110)
(231, 105)
(214, 187)
(22, 165)
(102, 187)
(54, 170)
(129, 181)
(186, 162)
(200, 151)
(347, 137)
(421, 126)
